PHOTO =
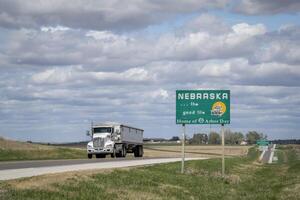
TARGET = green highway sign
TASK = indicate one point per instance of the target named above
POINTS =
(262, 142)
(202, 106)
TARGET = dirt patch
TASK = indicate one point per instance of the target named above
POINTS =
(230, 178)
(170, 186)
(249, 167)
(196, 172)
(136, 195)
(233, 179)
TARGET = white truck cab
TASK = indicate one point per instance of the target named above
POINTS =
(116, 140)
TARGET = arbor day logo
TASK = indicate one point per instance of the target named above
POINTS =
(218, 108)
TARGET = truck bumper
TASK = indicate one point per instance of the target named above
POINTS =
(100, 151)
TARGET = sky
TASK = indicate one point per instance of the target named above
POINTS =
(63, 65)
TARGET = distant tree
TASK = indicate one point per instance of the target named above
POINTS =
(253, 136)
(228, 137)
(199, 138)
(238, 137)
(233, 137)
(174, 138)
(187, 139)
(214, 138)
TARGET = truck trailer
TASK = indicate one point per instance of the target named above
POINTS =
(115, 140)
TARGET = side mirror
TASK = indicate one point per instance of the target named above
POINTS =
(88, 133)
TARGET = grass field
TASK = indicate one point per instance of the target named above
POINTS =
(13, 150)
(245, 179)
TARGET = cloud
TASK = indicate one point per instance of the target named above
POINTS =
(96, 15)
(76, 74)
(280, 46)
(56, 78)
(257, 7)
(57, 46)
(238, 41)
(241, 72)
(206, 23)
(248, 30)
(74, 47)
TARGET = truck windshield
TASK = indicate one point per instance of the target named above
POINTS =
(102, 130)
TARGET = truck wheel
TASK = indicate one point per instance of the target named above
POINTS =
(124, 152)
(137, 151)
(113, 155)
(141, 153)
(121, 153)
(118, 155)
(100, 155)
(90, 156)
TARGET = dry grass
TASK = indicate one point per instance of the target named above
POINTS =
(6, 144)
(194, 151)
(132, 194)
(291, 192)
(52, 182)
(49, 181)
(46, 182)
(14, 150)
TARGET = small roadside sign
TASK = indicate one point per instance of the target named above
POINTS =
(262, 142)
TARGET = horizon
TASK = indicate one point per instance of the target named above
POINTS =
(188, 135)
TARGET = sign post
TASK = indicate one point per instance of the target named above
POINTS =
(203, 107)
(223, 150)
(183, 149)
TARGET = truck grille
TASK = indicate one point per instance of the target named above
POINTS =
(98, 142)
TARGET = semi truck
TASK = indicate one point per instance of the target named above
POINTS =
(115, 140)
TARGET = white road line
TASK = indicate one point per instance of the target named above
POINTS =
(262, 155)
(272, 154)
(9, 174)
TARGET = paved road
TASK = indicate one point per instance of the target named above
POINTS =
(14, 170)
(268, 154)
(49, 163)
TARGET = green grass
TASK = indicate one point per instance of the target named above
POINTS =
(245, 179)
(41, 154)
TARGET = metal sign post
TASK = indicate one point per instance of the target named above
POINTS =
(223, 150)
(182, 149)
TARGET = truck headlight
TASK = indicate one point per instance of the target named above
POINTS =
(90, 146)
(109, 146)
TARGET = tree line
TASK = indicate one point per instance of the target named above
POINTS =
(231, 138)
